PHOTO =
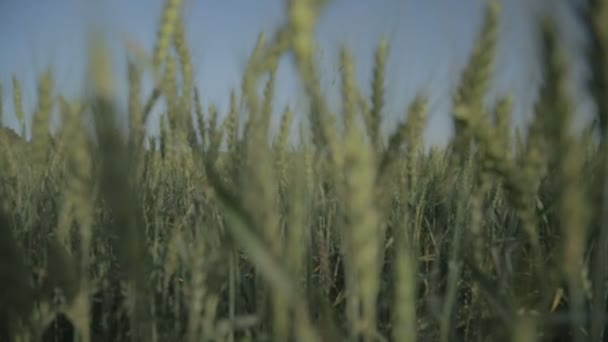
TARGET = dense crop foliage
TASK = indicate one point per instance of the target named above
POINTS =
(222, 230)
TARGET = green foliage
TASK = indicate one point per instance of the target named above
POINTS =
(338, 237)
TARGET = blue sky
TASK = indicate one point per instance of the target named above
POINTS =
(430, 41)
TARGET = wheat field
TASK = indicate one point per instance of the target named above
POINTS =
(224, 230)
